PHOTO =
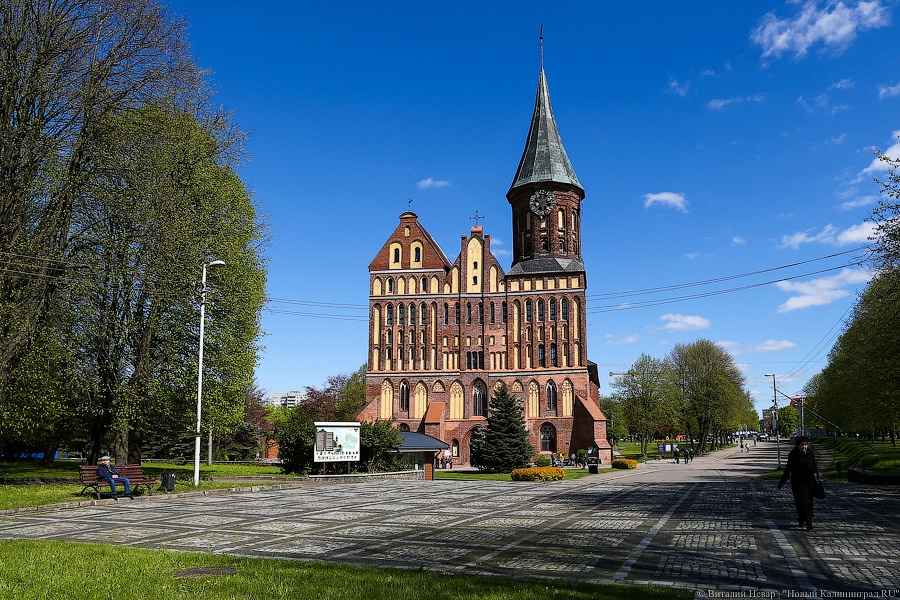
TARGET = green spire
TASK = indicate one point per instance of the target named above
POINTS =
(544, 159)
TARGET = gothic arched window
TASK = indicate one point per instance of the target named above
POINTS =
(404, 396)
(551, 396)
(548, 438)
(479, 400)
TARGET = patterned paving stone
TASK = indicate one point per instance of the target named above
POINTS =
(705, 526)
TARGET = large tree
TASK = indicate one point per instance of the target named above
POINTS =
(711, 388)
(645, 394)
(505, 445)
(68, 67)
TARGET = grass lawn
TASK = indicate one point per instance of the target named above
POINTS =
(850, 453)
(53, 492)
(64, 570)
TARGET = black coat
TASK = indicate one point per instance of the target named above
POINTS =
(106, 472)
(801, 468)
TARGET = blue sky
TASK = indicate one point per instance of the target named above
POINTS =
(721, 142)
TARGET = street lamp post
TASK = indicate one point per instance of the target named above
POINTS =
(215, 263)
(777, 436)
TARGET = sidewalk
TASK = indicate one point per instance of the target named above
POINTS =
(708, 525)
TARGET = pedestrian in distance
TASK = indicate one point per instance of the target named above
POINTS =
(107, 472)
(803, 472)
(675, 452)
(691, 454)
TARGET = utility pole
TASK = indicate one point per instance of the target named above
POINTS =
(775, 418)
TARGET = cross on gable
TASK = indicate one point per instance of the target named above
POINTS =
(476, 218)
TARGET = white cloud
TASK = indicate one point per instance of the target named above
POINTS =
(888, 90)
(878, 166)
(738, 241)
(773, 346)
(736, 348)
(668, 199)
(831, 235)
(424, 184)
(821, 291)
(720, 103)
(857, 234)
(843, 84)
(858, 202)
(678, 88)
(834, 26)
(620, 340)
(677, 322)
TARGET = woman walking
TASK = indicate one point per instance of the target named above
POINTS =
(802, 469)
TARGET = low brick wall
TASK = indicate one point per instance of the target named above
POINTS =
(364, 477)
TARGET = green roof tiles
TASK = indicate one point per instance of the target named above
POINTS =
(544, 159)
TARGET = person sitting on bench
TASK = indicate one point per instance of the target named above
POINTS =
(107, 472)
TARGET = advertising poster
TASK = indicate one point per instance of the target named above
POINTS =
(336, 442)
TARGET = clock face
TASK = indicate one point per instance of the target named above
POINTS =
(542, 202)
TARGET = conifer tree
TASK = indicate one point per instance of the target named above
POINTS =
(505, 445)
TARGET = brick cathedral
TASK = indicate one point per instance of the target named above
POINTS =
(443, 335)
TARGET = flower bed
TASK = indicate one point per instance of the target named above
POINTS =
(624, 463)
(538, 474)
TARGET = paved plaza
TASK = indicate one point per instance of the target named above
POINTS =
(708, 526)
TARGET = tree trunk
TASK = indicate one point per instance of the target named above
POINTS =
(135, 437)
(122, 446)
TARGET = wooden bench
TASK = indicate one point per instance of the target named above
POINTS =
(133, 473)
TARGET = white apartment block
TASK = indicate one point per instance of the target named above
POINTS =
(288, 400)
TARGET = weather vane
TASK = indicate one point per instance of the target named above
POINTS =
(542, 46)
(409, 204)
(476, 218)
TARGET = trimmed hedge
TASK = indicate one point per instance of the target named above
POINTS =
(538, 474)
(624, 463)
(542, 461)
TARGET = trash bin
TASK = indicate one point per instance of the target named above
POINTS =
(592, 465)
(167, 481)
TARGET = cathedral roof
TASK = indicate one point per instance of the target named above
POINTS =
(544, 158)
(537, 266)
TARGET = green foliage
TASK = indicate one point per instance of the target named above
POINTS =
(296, 437)
(645, 393)
(858, 389)
(351, 395)
(538, 474)
(788, 422)
(708, 386)
(505, 445)
(542, 461)
(377, 442)
(617, 423)
(64, 567)
(624, 463)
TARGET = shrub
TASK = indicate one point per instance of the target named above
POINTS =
(624, 463)
(542, 461)
(538, 474)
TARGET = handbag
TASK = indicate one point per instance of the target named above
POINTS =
(818, 489)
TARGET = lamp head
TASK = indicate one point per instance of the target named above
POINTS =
(216, 263)
(770, 375)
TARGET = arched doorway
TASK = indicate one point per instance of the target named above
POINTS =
(548, 438)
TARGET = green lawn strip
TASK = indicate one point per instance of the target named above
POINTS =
(63, 570)
(880, 457)
(66, 469)
(21, 496)
(30, 492)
